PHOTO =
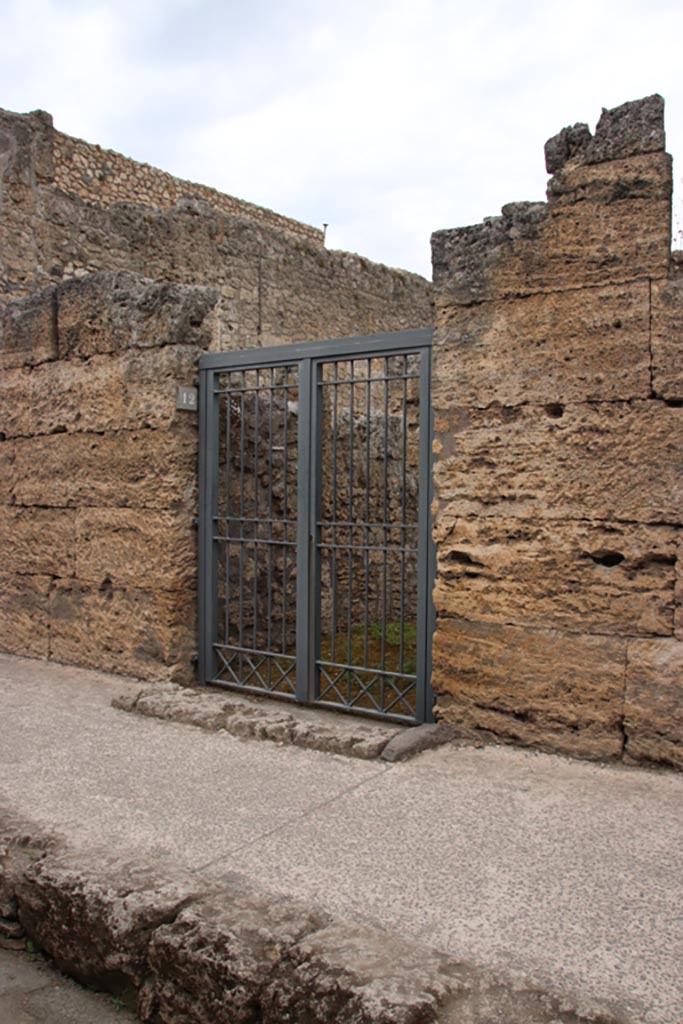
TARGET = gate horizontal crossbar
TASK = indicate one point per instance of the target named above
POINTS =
(240, 679)
(393, 548)
(390, 378)
(365, 691)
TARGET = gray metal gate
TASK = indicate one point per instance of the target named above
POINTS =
(315, 553)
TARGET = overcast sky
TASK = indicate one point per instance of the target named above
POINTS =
(387, 119)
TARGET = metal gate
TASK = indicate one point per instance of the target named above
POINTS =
(315, 552)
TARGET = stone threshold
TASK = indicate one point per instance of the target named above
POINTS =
(328, 731)
(179, 949)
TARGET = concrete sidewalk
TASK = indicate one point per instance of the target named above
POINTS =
(568, 873)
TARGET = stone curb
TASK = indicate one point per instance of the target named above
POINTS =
(317, 730)
(182, 950)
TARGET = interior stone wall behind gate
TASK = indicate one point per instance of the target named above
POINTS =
(558, 402)
(105, 307)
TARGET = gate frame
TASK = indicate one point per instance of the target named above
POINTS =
(311, 356)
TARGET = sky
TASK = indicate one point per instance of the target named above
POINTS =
(385, 119)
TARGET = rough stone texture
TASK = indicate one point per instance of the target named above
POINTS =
(517, 842)
(618, 576)
(105, 393)
(628, 130)
(410, 742)
(667, 338)
(212, 963)
(28, 330)
(354, 974)
(603, 224)
(20, 847)
(653, 709)
(24, 620)
(558, 437)
(563, 347)
(38, 540)
(261, 720)
(94, 916)
(635, 127)
(555, 691)
(568, 144)
(556, 389)
(7, 456)
(602, 460)
(115, 311)
(144, 469)
(103, 176)
(136, 548)
(149, 634)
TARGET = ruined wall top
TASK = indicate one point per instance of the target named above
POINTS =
(629, 130)
(610, 196)
(103, 176)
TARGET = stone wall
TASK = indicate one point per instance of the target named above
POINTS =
(104, 177)
(105, 308)
(274, 288)
(99, 474)
(558, 399)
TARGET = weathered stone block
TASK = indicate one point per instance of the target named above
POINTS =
(144, 633)
(627, 130)
(134, 548)
(7, 469)
(26, 142)
(578, 576)
(667, 338)
(155, 469)
(212, 963)
(355, 974)
(96, 918)
(37, 540)
(113, 311)
(653, 709)
(128, 391)
(678, 613)
(568, 145)
(582, 345)
(606, 224)
(637, 179)
(556, 691)
(631, 128)
(28, 330)
(604, 461)
(24, 615)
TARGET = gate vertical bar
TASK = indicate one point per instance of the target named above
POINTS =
(304, 538)
(208, 490)
(314, 531)
(425, 546)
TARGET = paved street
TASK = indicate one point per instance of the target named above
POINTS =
(569, 873)
(33, 992)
